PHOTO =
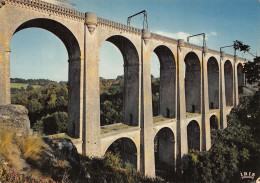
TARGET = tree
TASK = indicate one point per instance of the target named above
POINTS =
(29, 88)
(235, 149)
(52, 124)
(251, 69)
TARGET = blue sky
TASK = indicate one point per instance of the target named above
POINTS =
(37, 53)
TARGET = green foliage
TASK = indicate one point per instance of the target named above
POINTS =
(238, 45)
(112, 160)
(114, 127)
(29, 88)
(10, 175)
(52, 124)
(235, 149)
(111, 101)
(109, 168)
(155, 95)
(40, 82)
(252, 71)
(43, 101)
(53, 97)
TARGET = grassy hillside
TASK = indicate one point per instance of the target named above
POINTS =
(32, 159)
(20, 85)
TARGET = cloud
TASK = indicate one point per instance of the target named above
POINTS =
(178, 35)
(184, 35)
(214, 33)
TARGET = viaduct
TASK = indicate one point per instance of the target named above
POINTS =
(198, 86)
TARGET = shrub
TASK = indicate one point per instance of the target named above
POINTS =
(31, 146)
(112, 160)
(52, 124)
(6, 139)
(10, 175)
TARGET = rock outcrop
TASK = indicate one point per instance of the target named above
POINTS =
(15, 116)
(60, 158)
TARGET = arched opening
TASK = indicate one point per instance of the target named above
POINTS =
(164, 153)
(111, 72)
(192, 83)
(71, 100)
(240, 78)
(228, 71)
(155, 80)
(214, 122)
(167, 82)
(127, 151)
(193, 133)
(126, 88)
(213, 83)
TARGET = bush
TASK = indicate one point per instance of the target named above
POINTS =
(52, 124)
(235, 149)
(6, 139)
(42, 101)
(112, 160)
(31, 146)
(12, 145)
(10, 175)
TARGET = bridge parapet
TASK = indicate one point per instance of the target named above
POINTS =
(193, 46)
(226, 55)
(48, 7)
(164, 38)
(102, 21)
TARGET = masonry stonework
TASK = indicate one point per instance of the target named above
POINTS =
(196, 83)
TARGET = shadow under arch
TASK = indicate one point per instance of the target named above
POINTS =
(164, 153)
(228, 74)
(193, 134)
(126, 149)
(192, 83)
(131, 78)
(213, 83)
(167, 91)
(74, 53)
(214, 122)
(240, 78)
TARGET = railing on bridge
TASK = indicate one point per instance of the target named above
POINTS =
(119, 25)
(80, 15)
(51, 7)
(164, 38)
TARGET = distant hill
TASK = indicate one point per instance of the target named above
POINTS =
(41, 82)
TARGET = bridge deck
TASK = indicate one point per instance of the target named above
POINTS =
(190, 114)
(113, 127)
(160, 118)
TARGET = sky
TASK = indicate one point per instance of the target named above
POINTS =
(37, 53)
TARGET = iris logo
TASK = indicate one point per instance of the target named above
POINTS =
(248, 175)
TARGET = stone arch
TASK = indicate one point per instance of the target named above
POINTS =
(214, 122)
(228, 72)
(58, 29)
(131, 78)
(192, 83)
(127, 150)
(193, 134)
(214, 125)
(164, 151)
(167, 97)
(213, 83)
(74, 55)
(240, 78)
